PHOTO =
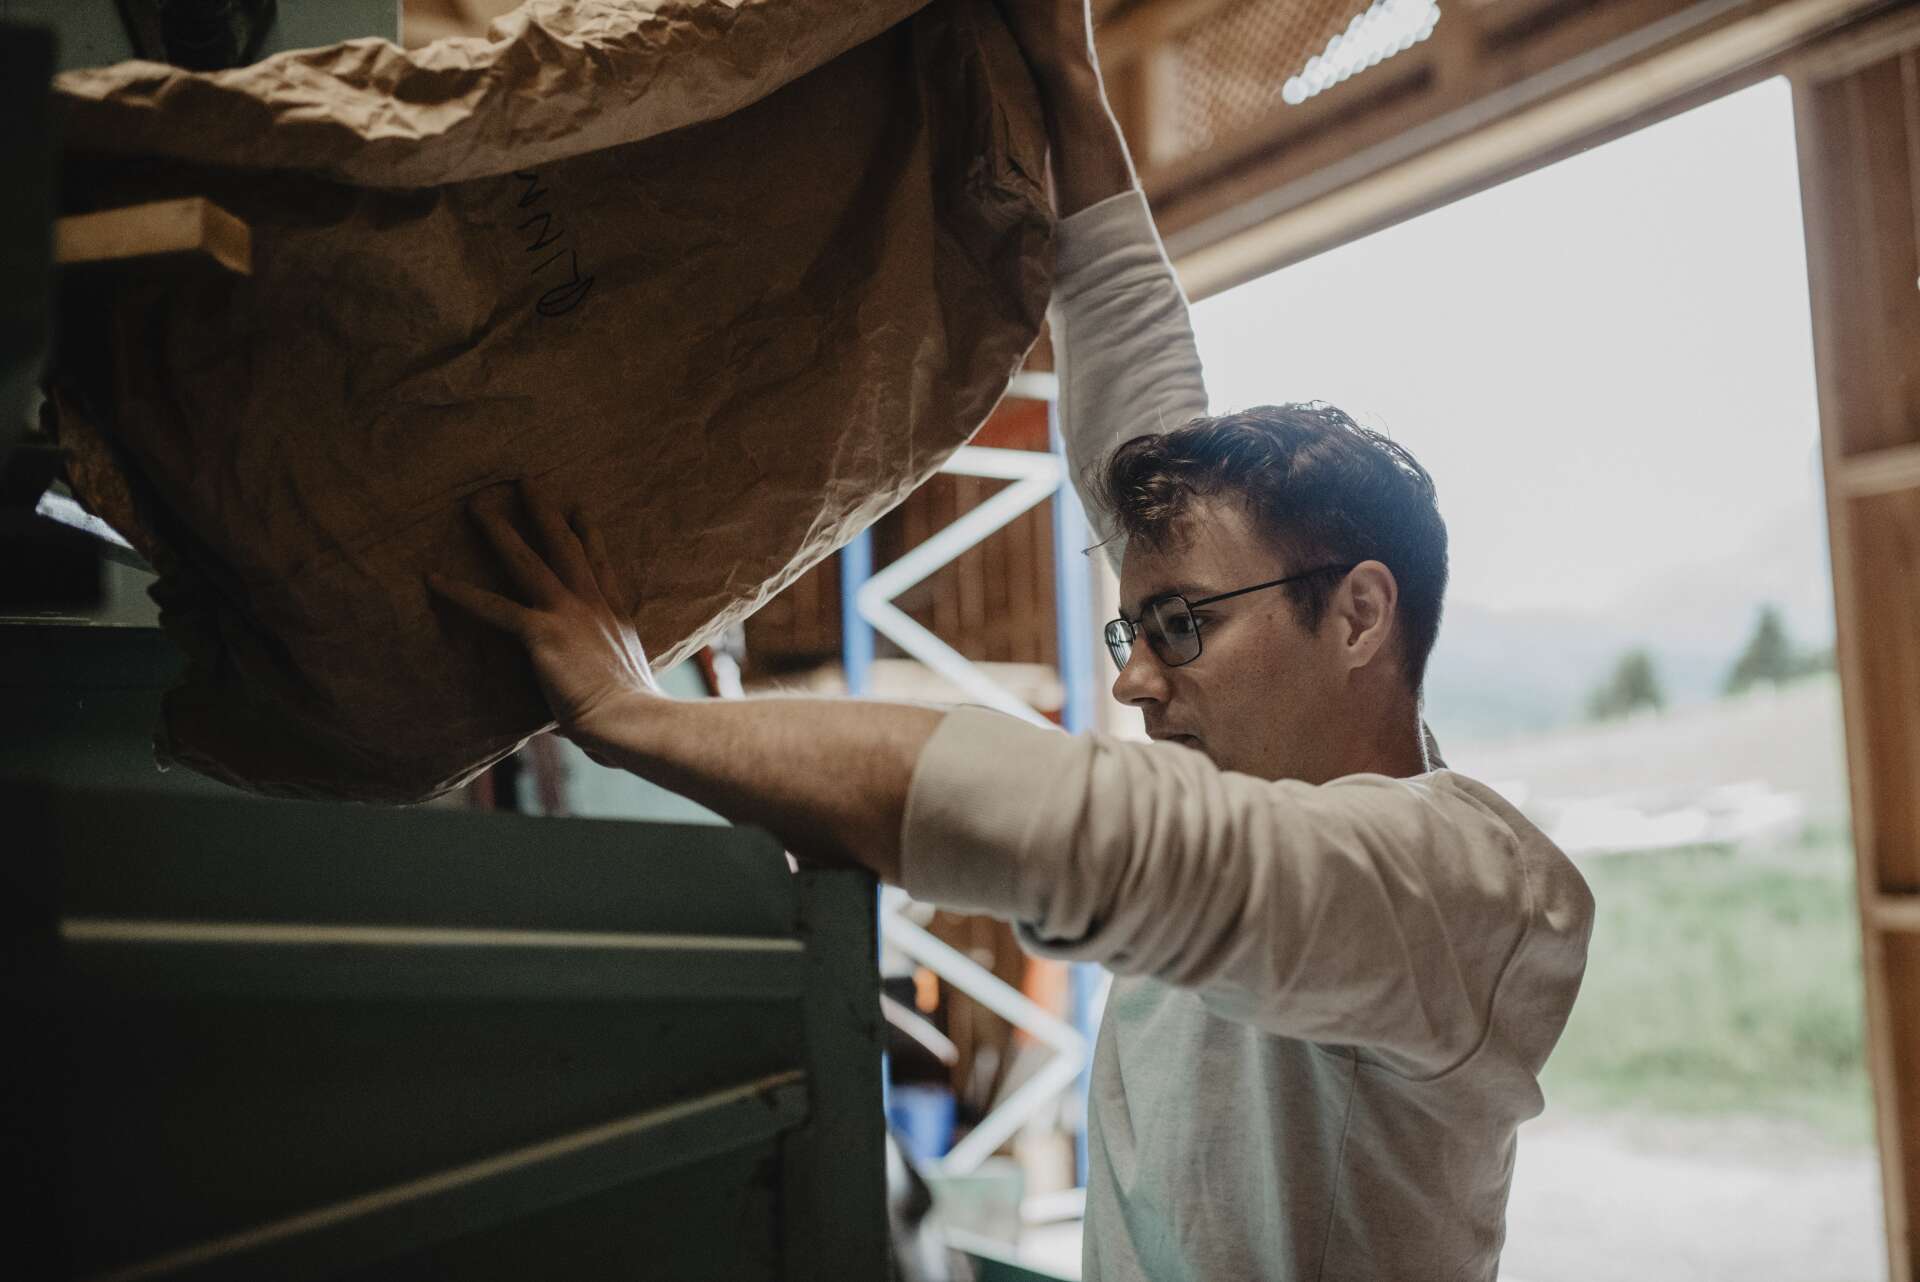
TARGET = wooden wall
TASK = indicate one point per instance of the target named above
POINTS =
(993, 604)
(1857, 104)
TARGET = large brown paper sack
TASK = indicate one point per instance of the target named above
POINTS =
(731, 344)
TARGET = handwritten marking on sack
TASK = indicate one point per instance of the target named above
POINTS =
(545, 231)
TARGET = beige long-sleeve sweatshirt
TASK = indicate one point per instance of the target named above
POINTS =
(1331, 1002)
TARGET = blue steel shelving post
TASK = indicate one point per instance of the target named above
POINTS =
(856, 655)
(856, 634)
(1036, 477)
(1072, 599)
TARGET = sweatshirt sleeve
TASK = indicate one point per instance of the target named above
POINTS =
(1370, 911)
(1123, 346)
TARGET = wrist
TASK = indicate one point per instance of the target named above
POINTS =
(1070, 81)
(622, 726)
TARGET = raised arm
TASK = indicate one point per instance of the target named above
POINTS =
(1122, 343)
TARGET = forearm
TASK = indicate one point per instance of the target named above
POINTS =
(1123, 346)
(829, 777)
(1088, 152)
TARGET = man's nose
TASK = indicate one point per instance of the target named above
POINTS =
(1143, 681)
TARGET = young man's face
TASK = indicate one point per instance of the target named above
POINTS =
(1264, 690)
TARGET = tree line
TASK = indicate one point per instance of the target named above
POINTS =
(1769, 658)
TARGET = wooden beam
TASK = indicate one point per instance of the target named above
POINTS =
(1460, 78)
(1454, 155)
(1896, 913)
(1860, 273)
(1881, 471)
(1870, 42)
(192, 225)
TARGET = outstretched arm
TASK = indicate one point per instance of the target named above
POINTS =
(1374, 911)
(1087, 153)
(829, 777)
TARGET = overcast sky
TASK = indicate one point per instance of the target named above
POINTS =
(1607, 366)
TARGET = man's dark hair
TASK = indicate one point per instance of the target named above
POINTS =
(1323, 488)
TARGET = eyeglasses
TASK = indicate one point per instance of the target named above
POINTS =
(1171, 630)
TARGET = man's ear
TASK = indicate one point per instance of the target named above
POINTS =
(1363, 612)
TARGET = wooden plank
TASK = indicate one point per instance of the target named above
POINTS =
(330, 1240)
(1847, 366)
(1896, 913)
(1900, 958)
(1019, 570)
(190, 226)
(943, 502)
(1886, 319)
(1860, 45)
(1839, 276)
(1884, 549)
(1881, 471)
(970, 570)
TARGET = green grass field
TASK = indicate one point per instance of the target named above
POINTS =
(1721, 984)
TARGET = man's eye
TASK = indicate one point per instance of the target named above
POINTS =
(1181, 625)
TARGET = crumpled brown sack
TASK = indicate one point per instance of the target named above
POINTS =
(731, 277)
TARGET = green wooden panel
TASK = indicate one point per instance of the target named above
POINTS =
(502, 1190)
(635, 1233)
(988, 1268)
(835, 1177)
(79, 703)
(144, 853)
(191, 1121)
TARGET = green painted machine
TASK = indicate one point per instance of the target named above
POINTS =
(263, 1039)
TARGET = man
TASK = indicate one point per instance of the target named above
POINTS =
(1340, 966)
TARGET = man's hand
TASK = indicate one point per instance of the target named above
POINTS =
(585, 653)
(829, 777)
(1089, 157)
(1056, 36)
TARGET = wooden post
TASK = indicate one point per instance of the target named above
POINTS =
(1857, 110)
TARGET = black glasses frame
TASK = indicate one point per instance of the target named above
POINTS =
(1131, 629)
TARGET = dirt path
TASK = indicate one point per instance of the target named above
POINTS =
(1696, 1201)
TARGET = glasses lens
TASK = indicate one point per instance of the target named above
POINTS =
(1120, 642)
(1171, 629)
